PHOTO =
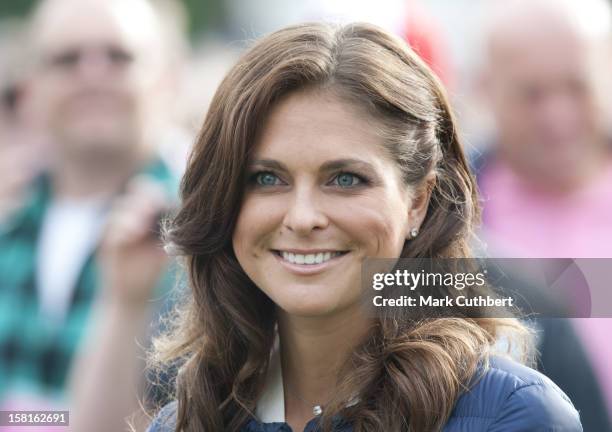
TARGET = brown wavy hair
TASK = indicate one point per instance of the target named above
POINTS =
(407, 375)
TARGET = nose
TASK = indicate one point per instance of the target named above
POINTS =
(93, 66)
(561, 115)
(304, 213)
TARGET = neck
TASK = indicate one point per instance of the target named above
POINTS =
(83, 179)
(313, 349)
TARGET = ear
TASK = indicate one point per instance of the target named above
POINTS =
(420, 204)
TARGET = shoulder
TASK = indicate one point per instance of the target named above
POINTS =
(508, 397)
(513, 397)
(165, 420)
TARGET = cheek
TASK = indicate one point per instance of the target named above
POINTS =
(50, 99)
(256, 223)
(241, 236)
(376, 225)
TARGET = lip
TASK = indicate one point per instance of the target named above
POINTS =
(308, 269)
(307, 251)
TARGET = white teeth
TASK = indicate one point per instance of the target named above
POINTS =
(308, 259)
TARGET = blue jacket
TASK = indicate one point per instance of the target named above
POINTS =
(508, 398)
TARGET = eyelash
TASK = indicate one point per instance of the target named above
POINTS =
(362, 180)
(253, 178)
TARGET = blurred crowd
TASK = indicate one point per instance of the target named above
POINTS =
(100, 101)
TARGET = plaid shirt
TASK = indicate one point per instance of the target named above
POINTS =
(35, 357)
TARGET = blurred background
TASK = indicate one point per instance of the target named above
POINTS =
(101, 101)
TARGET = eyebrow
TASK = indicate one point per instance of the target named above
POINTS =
(268, 163)
(339, 164)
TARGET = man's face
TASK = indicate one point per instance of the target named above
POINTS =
(542, 100)
(93, 77)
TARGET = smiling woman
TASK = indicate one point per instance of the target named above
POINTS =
(324, 146)
(329, 191)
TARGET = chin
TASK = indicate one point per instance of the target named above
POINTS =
(308, 310)
(313, 303)
(100, 128)
(96, 136)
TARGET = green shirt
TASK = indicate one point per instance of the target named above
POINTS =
(35, 357)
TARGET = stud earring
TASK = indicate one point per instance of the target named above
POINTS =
(414, 232)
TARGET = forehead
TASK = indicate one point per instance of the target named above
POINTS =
(310, 124)
(65, 23)
(538, 46)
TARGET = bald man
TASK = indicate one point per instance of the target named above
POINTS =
(547, 181)
(98, 75)
(538, 80)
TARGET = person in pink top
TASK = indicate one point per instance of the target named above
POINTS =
(525, 220)
(547, 183)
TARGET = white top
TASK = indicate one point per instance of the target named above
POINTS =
(271, 405)
(70, 232)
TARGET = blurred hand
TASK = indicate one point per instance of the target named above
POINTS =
(131, 255)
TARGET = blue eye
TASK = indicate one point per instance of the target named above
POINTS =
(347, 180)
(266, 179)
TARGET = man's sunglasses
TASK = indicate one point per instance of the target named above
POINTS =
(70, 58)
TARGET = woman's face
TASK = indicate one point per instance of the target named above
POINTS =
(322, 196)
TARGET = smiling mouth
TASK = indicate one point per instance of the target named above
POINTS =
(308, 259)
